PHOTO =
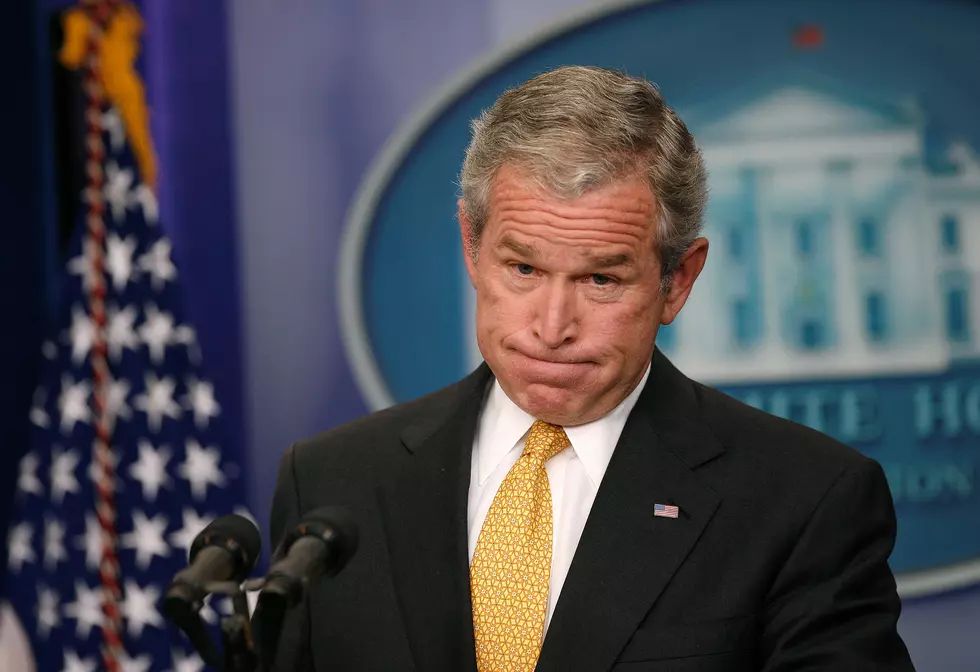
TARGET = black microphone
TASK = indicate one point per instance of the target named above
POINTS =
(321, 544)
(226, 550)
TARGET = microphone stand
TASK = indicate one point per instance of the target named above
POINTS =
(269, 616)
(236, 629)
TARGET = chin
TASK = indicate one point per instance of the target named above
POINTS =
(559, 406)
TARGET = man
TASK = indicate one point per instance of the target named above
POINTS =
(577, 503)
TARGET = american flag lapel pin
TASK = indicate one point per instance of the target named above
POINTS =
(665, 510)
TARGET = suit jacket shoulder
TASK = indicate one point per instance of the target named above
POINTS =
(370, 438)
(781, 449)
(348, 461)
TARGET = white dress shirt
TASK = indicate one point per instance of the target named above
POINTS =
(574, 474)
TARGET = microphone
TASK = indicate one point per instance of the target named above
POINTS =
(322, 544)
(226, 550)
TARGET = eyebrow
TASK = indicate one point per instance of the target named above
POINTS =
(610, 260)
(526, 251)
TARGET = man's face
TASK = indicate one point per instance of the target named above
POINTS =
(568, 294)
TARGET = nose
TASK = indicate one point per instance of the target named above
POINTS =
(556, 322)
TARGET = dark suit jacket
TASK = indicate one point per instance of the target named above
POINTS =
(778, 560)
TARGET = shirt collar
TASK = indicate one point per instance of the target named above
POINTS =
(503, 425)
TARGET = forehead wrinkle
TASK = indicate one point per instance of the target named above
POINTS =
(578, 235)
(530, 209)
(521, 192)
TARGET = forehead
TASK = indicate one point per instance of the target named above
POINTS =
(514, 187)
(625, 206)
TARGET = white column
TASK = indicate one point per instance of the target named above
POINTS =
(771, 347)
(849, 320)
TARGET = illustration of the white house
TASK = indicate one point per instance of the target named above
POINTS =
(841, 244)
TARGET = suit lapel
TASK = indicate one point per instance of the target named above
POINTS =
(626, 555)
(424, 508)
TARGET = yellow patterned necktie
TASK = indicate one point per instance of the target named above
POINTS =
(511, 566)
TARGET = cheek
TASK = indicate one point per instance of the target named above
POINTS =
(623, 327)
(499, 311)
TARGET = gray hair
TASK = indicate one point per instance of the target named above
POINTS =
(577, 128)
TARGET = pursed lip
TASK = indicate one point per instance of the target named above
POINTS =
(553, 361)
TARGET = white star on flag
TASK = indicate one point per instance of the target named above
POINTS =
(213, 606)
(73, 403)
(83, 265)
(157, 331)
(20, 551)
(208, 614)
(112, 122)
(27, 481)
(185, 335)
(144, 197)
(118, 182)
(193, 524)
(200, 399)
(139, 664)
(49, 350)
(54, 543)
(157, 263)
(91, 541)
(151, 469)
(120, 333)
(157, 401)
(39, 416)
(138, 607)
(186, 663)
(63, 480)
(48, 616)
(81, 335)
(116, 406)
(201, 467)
(146, 538)
(86, 610)
(119, 259)
(75, 664)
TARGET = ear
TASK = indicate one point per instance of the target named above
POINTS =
(469, 250)
(682, 279)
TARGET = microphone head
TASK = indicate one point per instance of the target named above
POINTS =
(238, 536)
(335, 527)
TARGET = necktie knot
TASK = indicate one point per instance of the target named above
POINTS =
(545, 441)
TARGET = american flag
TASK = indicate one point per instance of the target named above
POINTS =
(125, 465)
(665, 511)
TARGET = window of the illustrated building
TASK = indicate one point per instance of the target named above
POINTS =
(875, 318)
(950, 232)
(957, 317)
(869, 242)
(742, 320)
(804, 237)
(736, 243)
(811, 334)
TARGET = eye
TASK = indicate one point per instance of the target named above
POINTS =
(524, 269)
(601, 280)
